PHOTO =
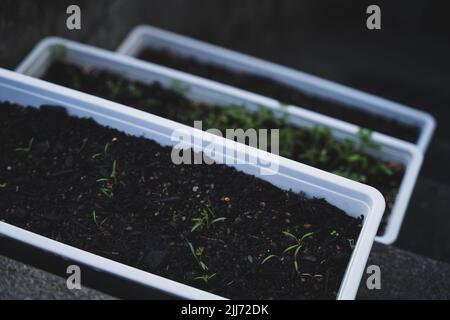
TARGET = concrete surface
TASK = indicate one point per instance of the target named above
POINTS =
(405, 275)
(22, 282)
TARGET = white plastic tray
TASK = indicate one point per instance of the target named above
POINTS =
(208, 91)
(143, 37)
(352, 197)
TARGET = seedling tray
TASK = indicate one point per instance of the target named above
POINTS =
(354, 198)
(145, 37)
(207, 91)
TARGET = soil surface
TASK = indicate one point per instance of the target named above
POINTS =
(315, 147)
(281, 92)
(121, 197)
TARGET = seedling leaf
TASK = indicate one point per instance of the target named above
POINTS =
(269, 258)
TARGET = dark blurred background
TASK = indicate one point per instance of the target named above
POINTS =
(407, 61)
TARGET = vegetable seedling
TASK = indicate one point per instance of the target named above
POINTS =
(59, 52)
(179, 86)
(198, 255)
(351, 243)
(270, 257)
(109, 182)
(205, 278)
(316, 276)
(206, 219)
(297, 246)
(28, 148)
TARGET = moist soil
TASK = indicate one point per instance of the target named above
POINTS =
(54, 170)
(314, 147)
(281, 92)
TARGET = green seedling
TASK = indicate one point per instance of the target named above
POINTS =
(114, 173)
(109, 182)
(134, 90)
(365, 137)
(386, 170)
(198, 255)
(3, 185)
(297, 246)
(271, 257)
(59, 52)
(334, 233)
(107, 192)
(206, 219)
(94, 217)
(114, 87)
(28, 148)
(316, 276)
(104, 153)
(351, 243)
(205, 278)
(179, 86)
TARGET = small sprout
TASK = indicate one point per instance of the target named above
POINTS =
(206, 219)
(28, 148)
(316, 276)
(179, 86)
(94, 216)
(113, 87)
(351, 243)
(114, 174)
(334, 233)
(198, 255)
(195, 188)
(59, 52)
(109, 182)
(134, 90)
(205, 278)
(199, 223)
(3, 185)
(297, 246)
(230, 283)
(83, 145)
(220, 219)
(385, 169)
(107, 192)
(270, 257)
(105, 149)
(105, 152)
(365, 137)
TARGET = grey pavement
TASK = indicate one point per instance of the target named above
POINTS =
(405, 275)
(19, 281)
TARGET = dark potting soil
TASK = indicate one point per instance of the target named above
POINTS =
(281, 92)
(315, 146)
(121, 197)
